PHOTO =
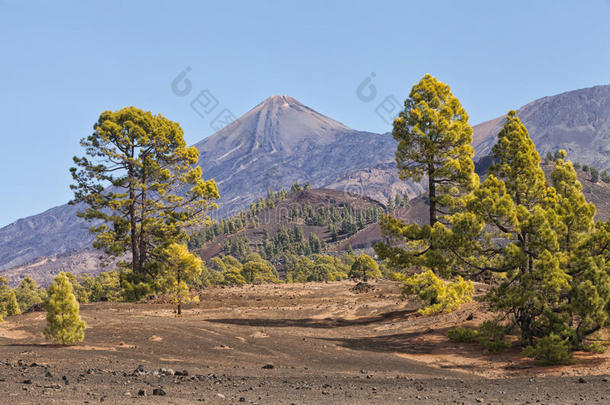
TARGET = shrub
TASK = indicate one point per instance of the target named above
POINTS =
(492, 337)
(364, 267)
(337, 275)
(395, 276)
(107, 287)
(438, 295)
(594, 348)
(463, 335)
(233, 277)
(27, 294)
(12, 306)
(550, 350)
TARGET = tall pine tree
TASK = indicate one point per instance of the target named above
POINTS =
(141, 185)
(434, 139)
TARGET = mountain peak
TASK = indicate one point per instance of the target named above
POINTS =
(278, 123)
(278, 98)
(279, 101)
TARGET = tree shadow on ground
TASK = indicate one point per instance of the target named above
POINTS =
(318, 323)
(407, 343)
(435, 342)
(44, 345)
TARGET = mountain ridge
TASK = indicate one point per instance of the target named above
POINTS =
(577, 121)
(281, 141)
(275, 144)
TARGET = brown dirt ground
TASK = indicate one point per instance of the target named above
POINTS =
(327, 345)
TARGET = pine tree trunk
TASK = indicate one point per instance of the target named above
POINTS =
(142, 239)
(432, 195)
(135, 248)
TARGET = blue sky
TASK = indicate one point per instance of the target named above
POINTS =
(64, 62)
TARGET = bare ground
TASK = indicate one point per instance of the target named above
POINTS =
(302, 343)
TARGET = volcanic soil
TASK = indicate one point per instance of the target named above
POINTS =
(316, 343)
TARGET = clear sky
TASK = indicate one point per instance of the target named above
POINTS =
(64, 62)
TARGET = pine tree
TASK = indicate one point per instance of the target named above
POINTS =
(257, 270)
(64, 324)
(12, 306)
(589, 296)
(141, 184)
(508, 227)
(594, 174)
(4, 293)
(541, 240)
(107, 287)
(576, 216)
(27, 294)
(434, 140)
(314, 243)
(182, 269)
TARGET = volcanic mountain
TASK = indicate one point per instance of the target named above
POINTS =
(577, 121)
(281, 141)
(274, 145)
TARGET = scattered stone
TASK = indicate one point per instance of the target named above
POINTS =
(242, 399)
(362, 287)
(141, 393)
(268, 366)
(27, 381)
(517, 367)
(159, 392)
(140, 370)
(219, 395)
(581, 380)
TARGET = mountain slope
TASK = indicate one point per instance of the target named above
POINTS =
(281, 141)
(288, 213)
(577, 121)
(52, 232)
(278, 142)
